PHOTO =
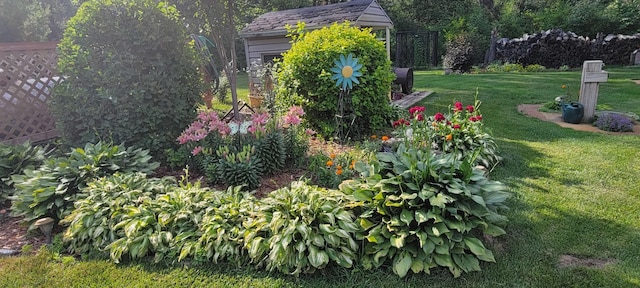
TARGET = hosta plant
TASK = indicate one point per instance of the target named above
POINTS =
(14, 159)
(423, 210)
(109, 199)
(221, 229)
(51, 189)
(302, 228)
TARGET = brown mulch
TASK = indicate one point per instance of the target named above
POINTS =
(533, 111)
(13, 234)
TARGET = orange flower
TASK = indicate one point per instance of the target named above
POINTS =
(329, 163)
(564, 86)
(332, 155)
(449, 137)
(374, 137)
(339, 172)
(385, 138)
(353, 164)
(339, 167)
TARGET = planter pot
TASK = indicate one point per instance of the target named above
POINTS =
(254, 101)
(572, 112)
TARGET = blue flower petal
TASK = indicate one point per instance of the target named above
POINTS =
(343, 61)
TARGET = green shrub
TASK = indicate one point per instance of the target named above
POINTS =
(535, 68)
(304, 78)
(459, 55)
(14, 159)
(424, 210)
(51, 189)
(302, 228)
(131, 76)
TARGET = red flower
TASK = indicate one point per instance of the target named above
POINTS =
(416, 109)
(439, 117)
(449, 123)
(401, 122)
(470, 108)
(458, 107)
(473, 119)
(420, 117)
(479, 117)
(456, 126)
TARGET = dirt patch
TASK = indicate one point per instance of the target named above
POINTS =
(637, 81)
(571, 261)
(532, 110)
(13, 235)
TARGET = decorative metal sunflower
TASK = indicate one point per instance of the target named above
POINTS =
(347, 71)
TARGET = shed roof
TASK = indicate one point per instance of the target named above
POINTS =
(273, 23)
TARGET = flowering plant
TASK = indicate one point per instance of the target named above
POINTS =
(614, 122)
(264, 143)
(460, 132)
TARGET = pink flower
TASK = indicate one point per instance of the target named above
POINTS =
(293, 116)
(439, 117)
(470, 108)
(196, 150)
(258, 120)
(310, 132)
(456, 126)
(457, 107)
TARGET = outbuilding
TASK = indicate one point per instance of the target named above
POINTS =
(265, 37)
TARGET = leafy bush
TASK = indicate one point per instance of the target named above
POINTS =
(302, 228)
(131, 76)
(222, 229)
(423, 210)
(535, 68)
(107, 201)
(14, 159)
(459, 55)
(241, 168)
(614, 122)
(304, 78)
(51, 189)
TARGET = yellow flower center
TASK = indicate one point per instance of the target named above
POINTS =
(347, 71)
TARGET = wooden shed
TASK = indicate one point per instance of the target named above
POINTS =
(265, 37)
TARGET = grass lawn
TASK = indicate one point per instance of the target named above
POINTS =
(574, 193)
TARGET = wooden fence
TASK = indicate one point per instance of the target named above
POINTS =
(27, 76)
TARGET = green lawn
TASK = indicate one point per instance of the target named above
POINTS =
(574, 193)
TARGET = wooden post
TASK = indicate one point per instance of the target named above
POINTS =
(592, 76)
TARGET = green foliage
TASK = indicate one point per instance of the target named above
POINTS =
(305, 78)
(222, 229)
(14, 159)
(302, 228)
(131, 76)
(51, 189)
(239, 168)
(25, 20)
(296, 143)
(422, 210)
(459, 55)
(535, 68)
(107, 202)
(271, 151)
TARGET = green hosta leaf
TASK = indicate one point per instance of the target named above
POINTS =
(439, 229)
(421, 216)
(402, 264)
(327, 229)
(363, 195)
(366, 224)
(440, 200)
(466, 262)
(494, 230)
(397, 241)
(317, 258)
(443, 260)
(406, 216)
(413, 187)
(417, 265)
(475, 245)
(487, 256)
